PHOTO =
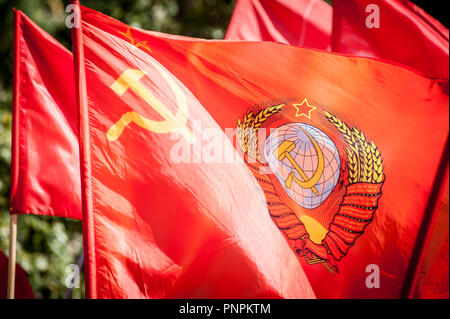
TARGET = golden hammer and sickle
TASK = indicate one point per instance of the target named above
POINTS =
(130, 79)
(283, 151)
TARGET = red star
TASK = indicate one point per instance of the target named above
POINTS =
(304, 109)
(134, 42)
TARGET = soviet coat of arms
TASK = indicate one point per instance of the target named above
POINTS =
(322, 180)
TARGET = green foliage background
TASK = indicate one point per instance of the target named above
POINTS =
(47, 245)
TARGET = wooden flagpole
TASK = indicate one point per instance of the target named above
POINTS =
(12, 256)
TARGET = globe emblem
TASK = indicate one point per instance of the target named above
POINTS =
(305, 161)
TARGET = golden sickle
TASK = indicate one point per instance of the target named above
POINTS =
(283, 151)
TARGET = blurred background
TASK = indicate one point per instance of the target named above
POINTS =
(47, 245)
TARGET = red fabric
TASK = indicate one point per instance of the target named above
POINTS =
(407, 34)
(45, 174)
(22, 288)
(160, 228)
(298, 22)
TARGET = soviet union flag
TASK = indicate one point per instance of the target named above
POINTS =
(345, 150)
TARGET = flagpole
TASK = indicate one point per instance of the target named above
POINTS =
(85, 162)
(12, 256)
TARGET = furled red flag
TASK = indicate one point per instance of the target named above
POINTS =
(345, 149)
(395, 30)
(45, 170)
(22, 288)
(407, 35)
(305, 23)
(433, 278)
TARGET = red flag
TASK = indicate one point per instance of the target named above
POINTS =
(45, 172)
(409, 36)
(395, 30)
(22, 288)
(345, 163)
(299, 22)
(164, 226)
